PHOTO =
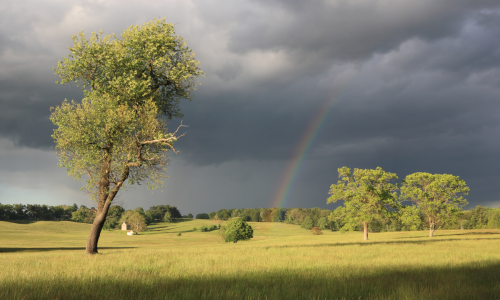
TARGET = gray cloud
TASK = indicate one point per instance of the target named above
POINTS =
(413, 86)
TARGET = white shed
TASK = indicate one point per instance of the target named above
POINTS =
(125, 226)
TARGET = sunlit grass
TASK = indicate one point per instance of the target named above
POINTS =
(45, 260)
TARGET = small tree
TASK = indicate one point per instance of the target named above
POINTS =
(438, 196)
(167, 217)
(190, 216)
(135, 219)
(368, 196)
(237, 230)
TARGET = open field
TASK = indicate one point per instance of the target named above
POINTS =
(45, 260)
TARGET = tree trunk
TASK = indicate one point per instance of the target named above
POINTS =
(96, 229)
(365, 225)
(105, 198)
(432, 227)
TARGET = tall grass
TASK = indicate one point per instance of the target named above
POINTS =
(45, 260)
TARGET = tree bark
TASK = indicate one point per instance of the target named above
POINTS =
(105, 199)
(365, 225)
(431, 228)
(96, 229)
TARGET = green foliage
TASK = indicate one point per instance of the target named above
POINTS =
(190, 216)
(158, 212)
(322, 223)
(110, 224)
(36, 212)
(439, 197)
(278, 214)
(117, 136)
(237, 230)
(179, 234)
(100, 135)
(368, 196)
(494, 218)
(113, 217)
(83, 215)
(206, 228)
(135, 219)
(308, 223)
(147, 63)
(211, 215)
(167, 217)
(224, 214)
(203, 216)
(478, 218)
(411, 217)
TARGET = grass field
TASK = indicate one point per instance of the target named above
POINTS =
(46, 260)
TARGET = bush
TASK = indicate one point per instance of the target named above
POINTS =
(205, 228)
(237, 230)
(179, 234)
(316, 231)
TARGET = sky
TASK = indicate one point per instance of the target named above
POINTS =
(293, 90)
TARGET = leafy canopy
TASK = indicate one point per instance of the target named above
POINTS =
(148, 62)
(368, 195)
(438, 196)
(238, 230)
(101, 135)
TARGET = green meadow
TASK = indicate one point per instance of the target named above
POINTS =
(46, 260)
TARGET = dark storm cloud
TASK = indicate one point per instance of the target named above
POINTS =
(349, 29)
(415, 87)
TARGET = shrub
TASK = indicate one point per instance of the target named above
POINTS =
(316, 231)
(205, 228)
(237, 230)
(179, 234)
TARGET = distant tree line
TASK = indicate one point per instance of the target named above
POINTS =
(83, 214)
(477, 218)
(36, 212)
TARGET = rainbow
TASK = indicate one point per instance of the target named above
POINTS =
(307, 140)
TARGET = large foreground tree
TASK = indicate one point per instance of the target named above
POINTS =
(117, 136)
(438, 196)
(368, 196)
